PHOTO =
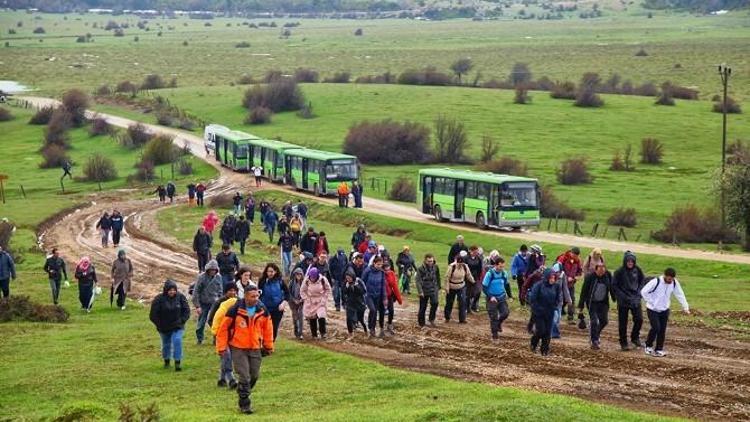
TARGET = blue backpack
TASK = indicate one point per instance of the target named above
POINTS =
(272, 294)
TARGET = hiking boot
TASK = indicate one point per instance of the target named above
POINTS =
(389, 330)
(166, 363)
(221, 383)
(323, 336)
(338, 309)
(595, 346)
(232, 384)
(659, 353)
(545, 352)
(462, 322)
(637, 344)
(432, 324)
(177, 366)
(382, 333)
(372, 334)
(649, 351)
(247, 410)
(624, 347)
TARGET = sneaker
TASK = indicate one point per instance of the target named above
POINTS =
(545, 352)
(323, 336)
(389, 330)
(232, 384)
(637, 344)
(595, 346)
(432, 324)
(221, 383)
(649, 351)
(495, 340)
(659, 353)
(382, 333)
(372, 334)
(338, 309)
(247, 410)
(122, 308)
(177, 366)
(624, 347)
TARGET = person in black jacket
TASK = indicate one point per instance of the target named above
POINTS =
(105, 225)
(228, 263)
(117, 225)
(54, 266)
(171, 190)
(227, 229)
(474, 292)
(202, 243)
(308, 241)
(595, 293)
(456, 249)
(353, 297)
(241, 233)
(627, 284)
(169, 313)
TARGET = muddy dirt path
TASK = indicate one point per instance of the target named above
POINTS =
(410, 213)
(705, 376)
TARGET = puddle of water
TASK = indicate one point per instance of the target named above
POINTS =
(13, 86)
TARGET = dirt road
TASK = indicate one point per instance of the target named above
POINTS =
(390, 209)
(705, 376)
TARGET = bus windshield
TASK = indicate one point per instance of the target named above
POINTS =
(518, 194)
(241, 151)
(341, 170)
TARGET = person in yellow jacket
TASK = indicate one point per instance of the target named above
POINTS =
(215, 316)
(343, 192)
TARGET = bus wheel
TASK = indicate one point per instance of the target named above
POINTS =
(481, 224)
(516, 229)
(438, 213)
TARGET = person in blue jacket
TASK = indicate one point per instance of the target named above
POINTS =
(274, 294)
(519, 264)
(117, 225)
(543, 299)
(376, 300)
(7, 271)
(497, 290)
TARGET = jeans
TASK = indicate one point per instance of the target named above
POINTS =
(116, 236)
(405, 281)
(199, 196)
(226, 278)
(459, 296)
(318, 323)
(599, 319)
(354, 317)
(336, 287)
(297, 319)
(105, 238)
(658, 331)
(5, 287)
(242, 245)
(286, 262)
(201, 324)
(556, 322)
(276, 316)
(54, 285)
(622, 322)
(572, 304)
(246, 364)
(171, 344)
(85, 294)
(225, 368)
(433, 300)
(542, 329)
(250, 214)
(498, 312)
(376, 312)
(238, 209)
(270, 230)
(203, 258)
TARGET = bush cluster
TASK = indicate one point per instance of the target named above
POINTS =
(690, 225)
(403, 189)
(388, 142)
(99, 168)
(574, 171)
(258, 116)
(21, 308)
(281, 95)
(42, 116)
(625, 217)
(553, 207)
(505, 165)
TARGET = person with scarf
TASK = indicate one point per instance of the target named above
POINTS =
(122, 272)
(86, 276)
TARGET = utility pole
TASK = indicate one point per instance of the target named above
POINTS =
(725, 72)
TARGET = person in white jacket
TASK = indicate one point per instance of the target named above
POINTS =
(658, 294)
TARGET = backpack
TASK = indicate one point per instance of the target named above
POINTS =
(274, 293)
(658, 281)
(600, 292)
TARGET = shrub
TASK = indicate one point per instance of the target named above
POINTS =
(119, 32)
(647, 89)
(99, 126)
(185, 167)
(161, 150)
(461, 67)
(665, 97)
(586, 96)
(738, 152)
(258, 116)
(103, 91)
(164, 117)
(75, 103)
(490, 148)
(681, 92)
(641, 53)
(651, 151)
(111, 25)
(138, 134)
(39, 30)
(520, 74)
(688, 224)
(385, 78)
(5, 114)
(56, 130)
(563, 90)
(245, 79)
(305, 75)
(574, 171)
(42, 116)
(81, 39)
(185, 124)
(339, 78)
(733, 107)
(358, 32)
(21, 308)
(185, 43)
(427, 76)
(273, 75)
(306, 112)
(505, 165)
(388, 142)
(451, 140)
(282, 95)
(144, 172)
(552, 207)
(127, 87)
(522, 95)
(242, 44)
(617, 163)
(99, 168)
(625, 217)
(403, 189)
(53, 156)
(153, 81)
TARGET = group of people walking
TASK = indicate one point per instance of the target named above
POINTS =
(195, 191)
(111, 223)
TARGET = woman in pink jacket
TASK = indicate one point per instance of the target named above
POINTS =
(315, 292)
(210, 221)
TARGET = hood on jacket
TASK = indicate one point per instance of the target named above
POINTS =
(628, 255)
(547, 274)
(168, 285)
(212, 265)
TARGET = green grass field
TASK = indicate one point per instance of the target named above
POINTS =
(560, 50)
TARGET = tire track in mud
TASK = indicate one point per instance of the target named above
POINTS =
(706, 375)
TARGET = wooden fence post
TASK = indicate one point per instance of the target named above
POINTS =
(594, 230)
(549, 224)
(23, 192)
(557, 220)
(606, 228)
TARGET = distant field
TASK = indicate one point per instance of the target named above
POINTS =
(542, 134)
(561, 49)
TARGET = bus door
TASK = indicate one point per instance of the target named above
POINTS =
(458, 204)
(305, 164)
(226, 148)
(427, 183)
(494, 202)
(217, 149)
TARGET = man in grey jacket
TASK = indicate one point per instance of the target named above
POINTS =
(428, 287)
(208, 289)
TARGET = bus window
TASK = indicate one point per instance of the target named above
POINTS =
(518, 195)
(257, 154)
(483, 191)
(240, 151)
(341, 170)
(439, 185)
(450, 187)
(471, 190)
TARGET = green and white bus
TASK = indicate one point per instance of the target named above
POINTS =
(232, 148)
(270, 155)
(485, 199)
(319, 172)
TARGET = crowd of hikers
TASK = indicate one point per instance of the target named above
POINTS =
(244, 310)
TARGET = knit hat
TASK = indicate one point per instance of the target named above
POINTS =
(575, 250)
(313, 274)
(298, 271)
(212, 265)
(120, 252)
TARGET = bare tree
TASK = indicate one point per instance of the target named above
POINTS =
(451, 140)
(462, 67)
(520, 74)
(490, 148)
(628, 158)
(522, 95)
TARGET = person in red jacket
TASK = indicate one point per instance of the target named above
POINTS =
(247, 331)
(321, 245)
(392, 293)
(572, 268)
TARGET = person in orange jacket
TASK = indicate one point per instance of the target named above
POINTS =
(343, 192)
(392, 293)
(247, 331)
